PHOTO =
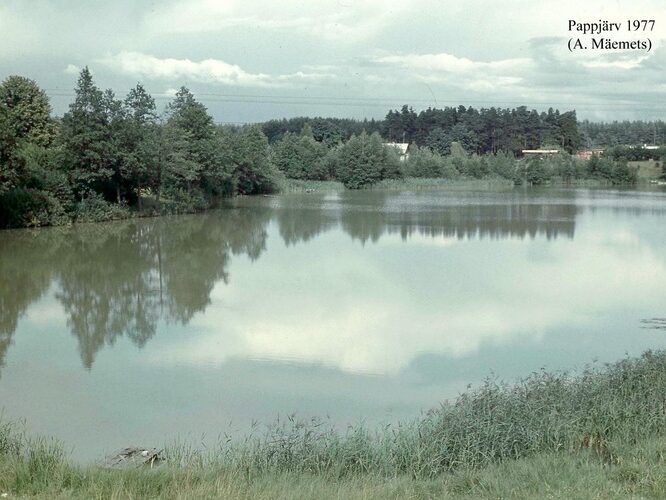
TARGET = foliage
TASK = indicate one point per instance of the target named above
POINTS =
(568, 168)
(24, 119)
(364, 160)
(28, 110)
(140, 163)
(633, 153)
(482, 131)
(536, 172)
(85, 135)
(94, 208)
(624, 133)
(45, 196)
(424, 162)
(253, 172)
(24, 207)
(607, 169)
(502, 165)
(193, 157)
(329, 131)
(180, 200)
(300, 157)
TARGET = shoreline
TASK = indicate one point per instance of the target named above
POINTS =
(297, 186)
(498, 439)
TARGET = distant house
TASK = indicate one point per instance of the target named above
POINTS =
(402, 147)
(539, 152)
(645, 146)
(586, 154)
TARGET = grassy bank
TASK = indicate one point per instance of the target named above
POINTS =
(425, 183)
(432, 183)
(642, 474)
(306, 186)
(648, 170)
(407, 183)
(98, 210)
(598, 434)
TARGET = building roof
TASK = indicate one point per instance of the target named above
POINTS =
(400, 146)
(540, 151)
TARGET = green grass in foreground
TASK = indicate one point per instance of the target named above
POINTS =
(598, 434)
(641, 474)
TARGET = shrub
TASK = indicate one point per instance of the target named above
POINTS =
(24, 207)
(94, 208)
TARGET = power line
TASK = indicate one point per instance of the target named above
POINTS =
(368, 101)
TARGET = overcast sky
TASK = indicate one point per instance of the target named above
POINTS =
(251, 60)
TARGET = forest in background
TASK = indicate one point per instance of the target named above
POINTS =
(108, 158)
(486, 130)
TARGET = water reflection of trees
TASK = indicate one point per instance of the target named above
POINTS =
(121, 279)
(163, 268)
(107, 285)
(490, 221)
(302, 218)
(25, 274)
(376, 213)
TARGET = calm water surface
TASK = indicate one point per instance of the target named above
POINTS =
(358, 306)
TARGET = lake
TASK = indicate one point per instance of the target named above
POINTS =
(356, 306)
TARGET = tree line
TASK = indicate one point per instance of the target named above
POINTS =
(479, 131)
(364, 160)
(107, 156)
(622, 133)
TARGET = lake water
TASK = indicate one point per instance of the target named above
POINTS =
(366, 306)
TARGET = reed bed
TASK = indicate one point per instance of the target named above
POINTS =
(603, 413)
(544, 412)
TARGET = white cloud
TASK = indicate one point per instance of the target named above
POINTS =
(72, 69)
(549, 73)
(147, 66)
(630, 61)
(19, 34)
(463, 54)
(340, 21)
(444, 68)
(452, 64)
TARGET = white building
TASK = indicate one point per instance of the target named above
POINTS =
(402, 147)
(539, 152)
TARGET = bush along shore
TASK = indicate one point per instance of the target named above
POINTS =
(595, 434)
(108, 158)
